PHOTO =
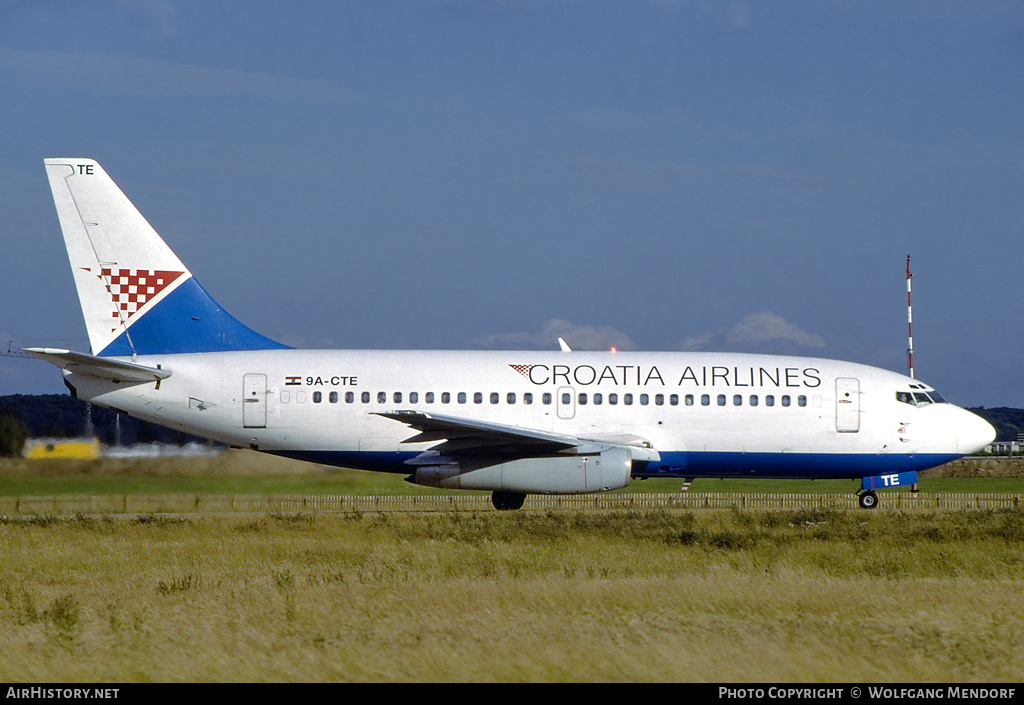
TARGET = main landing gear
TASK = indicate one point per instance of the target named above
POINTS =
(508, 500)
(868, 499)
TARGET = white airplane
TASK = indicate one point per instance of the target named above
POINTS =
(513, 423)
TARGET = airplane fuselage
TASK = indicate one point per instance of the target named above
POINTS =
(707, 414)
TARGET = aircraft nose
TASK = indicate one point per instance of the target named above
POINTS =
(973, 433)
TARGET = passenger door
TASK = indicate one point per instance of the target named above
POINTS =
(254, 401)
(847, 405)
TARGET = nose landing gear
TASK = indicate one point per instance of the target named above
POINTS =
(867, 497)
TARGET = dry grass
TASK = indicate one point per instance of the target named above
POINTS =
(616, 596)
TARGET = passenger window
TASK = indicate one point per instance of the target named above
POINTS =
(495, 397)
(721, 400)
(753, 400)
(350, 397)
(317, 397)
(785, 400)
(627, 399)
(737, 400)
(462, 397)
(567, 398)
(429, 397)
(659, 399)
(583, 398)
(673, 399)
(613, 398)
(511, 398)
(382, 397)
(478, 398)
(598, 398)
(546, 398)
(801, 400)
(688, 399)
(705, 400)
(769, 400)
(446, 398)
(398, 397)
(334, 397)
(414, 397)
(528, 397)
(644, 399)
(365, 397)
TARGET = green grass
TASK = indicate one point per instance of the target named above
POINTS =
(614, 596)
(602, 595)
(349, 482)
(246, 473)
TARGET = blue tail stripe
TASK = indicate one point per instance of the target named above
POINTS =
(187, 320)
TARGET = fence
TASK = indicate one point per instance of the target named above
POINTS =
(207, 504)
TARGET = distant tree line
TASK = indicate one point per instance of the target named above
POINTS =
(1009, 423)
(25, 416)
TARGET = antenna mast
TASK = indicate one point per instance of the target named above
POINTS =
(910, 323)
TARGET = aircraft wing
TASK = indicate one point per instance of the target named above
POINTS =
(102, 367)
(470, 435)
(461, 436)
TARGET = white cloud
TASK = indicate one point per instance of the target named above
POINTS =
(757, 331)
(579, 337)
(765, 326)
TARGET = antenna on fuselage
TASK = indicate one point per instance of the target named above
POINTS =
(910, 323)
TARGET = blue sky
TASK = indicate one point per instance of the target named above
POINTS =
(466, 174)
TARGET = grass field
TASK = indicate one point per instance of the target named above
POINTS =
(598, 596)
(241, 472)
(719, 596)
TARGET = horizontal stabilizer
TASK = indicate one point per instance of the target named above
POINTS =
(102, 367)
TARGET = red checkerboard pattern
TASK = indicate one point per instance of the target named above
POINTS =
(524, 370)
(131, 289)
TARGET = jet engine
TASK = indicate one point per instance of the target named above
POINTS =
(608, 469)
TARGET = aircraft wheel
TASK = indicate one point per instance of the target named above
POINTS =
(868, 500)
(508, 500)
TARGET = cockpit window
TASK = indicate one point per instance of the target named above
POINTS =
(919, 398)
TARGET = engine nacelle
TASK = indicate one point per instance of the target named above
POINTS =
(562, 474)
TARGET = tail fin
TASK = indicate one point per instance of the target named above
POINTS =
(136, 295)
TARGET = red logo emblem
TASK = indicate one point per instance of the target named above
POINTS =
(131, 289)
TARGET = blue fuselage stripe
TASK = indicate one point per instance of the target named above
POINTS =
(821, 466)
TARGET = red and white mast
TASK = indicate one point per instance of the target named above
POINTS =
(910, 324)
